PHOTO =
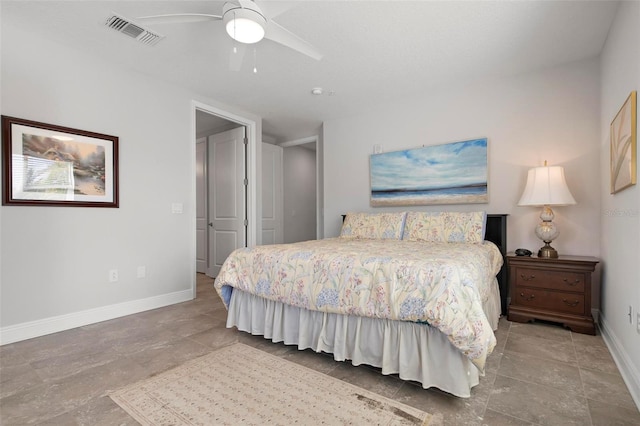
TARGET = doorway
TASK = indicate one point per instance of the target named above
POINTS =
(211, 225)
(226, 196)
(209, 120)
(272, 194)
(303, 201)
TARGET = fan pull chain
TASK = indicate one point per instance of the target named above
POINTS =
(234, 25)
(255, 65)
(235, 40)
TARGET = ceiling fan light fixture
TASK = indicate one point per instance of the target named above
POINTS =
(244, 25)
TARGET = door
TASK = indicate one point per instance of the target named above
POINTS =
(227, 202)
(201, 205)
(272, 188)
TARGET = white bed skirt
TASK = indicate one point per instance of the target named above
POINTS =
(413, 351)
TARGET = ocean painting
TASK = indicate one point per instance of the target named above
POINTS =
(452, 173)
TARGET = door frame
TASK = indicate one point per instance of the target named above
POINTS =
(252, 171)
(202, 141)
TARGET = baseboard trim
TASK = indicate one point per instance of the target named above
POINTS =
(29, 330)
(623, 361)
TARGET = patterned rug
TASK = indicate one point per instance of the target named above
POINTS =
(239, 384)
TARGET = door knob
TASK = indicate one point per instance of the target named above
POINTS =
(211, 224)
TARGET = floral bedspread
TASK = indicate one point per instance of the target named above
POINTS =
(442, 284)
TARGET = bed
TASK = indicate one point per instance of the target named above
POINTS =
(412, 293)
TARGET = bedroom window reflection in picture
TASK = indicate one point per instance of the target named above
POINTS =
(452, 173)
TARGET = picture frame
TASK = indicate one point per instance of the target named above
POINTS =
(451, 173)
(623, 142)
(49, 165)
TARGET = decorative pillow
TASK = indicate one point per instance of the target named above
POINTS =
(379, 226)
(449, 227)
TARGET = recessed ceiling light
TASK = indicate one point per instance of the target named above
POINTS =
(316, 91)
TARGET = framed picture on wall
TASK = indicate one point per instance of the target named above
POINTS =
(49, 165)
(624, 146)
(452, 173)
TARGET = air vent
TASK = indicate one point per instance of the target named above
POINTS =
(132, 30)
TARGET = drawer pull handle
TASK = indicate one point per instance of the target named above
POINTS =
(574, 283)
(528, 298)
(572, 304)
(529, 278)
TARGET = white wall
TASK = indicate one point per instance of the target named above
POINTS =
(620, 218)
(299, 171)
(55, 259)
(550, 115)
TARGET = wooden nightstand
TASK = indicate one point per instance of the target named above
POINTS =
(552, 289)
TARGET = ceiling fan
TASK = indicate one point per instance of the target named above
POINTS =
(246, 23)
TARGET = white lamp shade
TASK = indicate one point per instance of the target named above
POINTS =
(245, 25)
(546, 186)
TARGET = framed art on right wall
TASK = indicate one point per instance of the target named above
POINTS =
(623, 146)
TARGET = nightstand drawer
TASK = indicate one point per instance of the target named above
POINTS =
(571, 303)
(556, 280)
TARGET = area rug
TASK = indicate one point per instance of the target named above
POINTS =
(241, 385)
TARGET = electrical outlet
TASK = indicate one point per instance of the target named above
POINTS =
(113, 275)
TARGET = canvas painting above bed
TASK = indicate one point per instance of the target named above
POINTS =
(453, 173)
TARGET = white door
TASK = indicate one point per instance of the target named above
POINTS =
(201, 205)
(272, 201)
(227, 212)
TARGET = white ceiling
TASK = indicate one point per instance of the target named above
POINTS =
(374, 51)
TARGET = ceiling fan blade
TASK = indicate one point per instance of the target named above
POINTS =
(274, 8)
(236, 57)
(178, 18)
(247, 4)
(281, 35)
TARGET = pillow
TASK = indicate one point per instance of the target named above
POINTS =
(379, 226)
(449, 227)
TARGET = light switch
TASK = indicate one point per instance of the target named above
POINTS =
(141, 272)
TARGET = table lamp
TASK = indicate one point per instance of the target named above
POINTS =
(546, 187)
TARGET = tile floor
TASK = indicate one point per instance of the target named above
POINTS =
(538, 375)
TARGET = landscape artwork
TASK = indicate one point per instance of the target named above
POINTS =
(452, 173)
(56, 165)
(53, 165)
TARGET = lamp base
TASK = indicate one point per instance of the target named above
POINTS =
(547, 251)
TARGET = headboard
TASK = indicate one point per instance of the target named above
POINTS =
(496, 232)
